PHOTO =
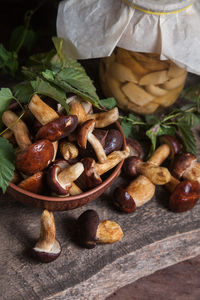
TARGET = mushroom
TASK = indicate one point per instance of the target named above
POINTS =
(113, 141)
(106, 118)
(172, 142)
(136, 194)
(34, 183)
(92, 231)
(85, 134)
(54, 126)
(68, 150)
(90, 178)
(61, 175)
(133, 166)
(141, 189)
(47, 248)
(33, 157)
(184, 194)
(186, 166)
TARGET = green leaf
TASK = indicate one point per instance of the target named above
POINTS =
(108, 103)
(188, 137)
(8, 61)
(60, 79)
(23, 91)
(43, 87)
(152, 134)
(21, 32)
(6, 163)
(5, 97)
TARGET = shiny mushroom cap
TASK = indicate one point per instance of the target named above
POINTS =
(35, 158)
(181, 163)
(58, 128)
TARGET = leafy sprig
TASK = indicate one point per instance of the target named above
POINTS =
(179, 121)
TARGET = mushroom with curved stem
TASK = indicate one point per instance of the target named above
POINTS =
(186, 166)
(47, 247)
(135, 148)
(61, 175)
(184, 194)
(85, 134)
(90, 178)
(33, 157)
(93, 231)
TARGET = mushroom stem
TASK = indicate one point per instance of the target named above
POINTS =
(157, 175)
(98, 148)
(112, 160)
(42, 112)
(108, 232)
(75, 190)
(71, 173)
(106, 118)
(18, 127)
(160, 154)
(47, 231)
(172, 184)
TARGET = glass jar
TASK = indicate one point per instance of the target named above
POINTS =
(141, 82)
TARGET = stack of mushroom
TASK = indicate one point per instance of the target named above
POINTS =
(54, 147)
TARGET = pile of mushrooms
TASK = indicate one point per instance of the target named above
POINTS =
(65, 151)
(181, 178)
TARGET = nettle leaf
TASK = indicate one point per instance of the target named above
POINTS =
(8, 61)
(61, 82)
(108, 103)
(43, 87)
(6, 163)
(188, 137)
(192, 93)
(5, 97)
(23, 91)
(30, 38)
(151, 119)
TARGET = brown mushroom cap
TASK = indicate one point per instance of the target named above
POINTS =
(89, 178)
(35, 158)
(123, 200)
(84, 131)
(52, 178)
(34, 183)
(172, 142)
(184, 196)
(181, 163)
(87, 227)
(129, 166)
(135, 148)
(114, 141)
(58, 128)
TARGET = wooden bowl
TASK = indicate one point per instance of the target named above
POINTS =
(70, 202)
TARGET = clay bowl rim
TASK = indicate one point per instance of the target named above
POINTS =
(83, 195)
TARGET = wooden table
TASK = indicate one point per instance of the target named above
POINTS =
(154, 238)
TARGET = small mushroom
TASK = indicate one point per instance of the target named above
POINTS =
(113, 141)
(92, 231)
(61, 175)
(172, 142)
(133, 166)
(106, 118)
(47, 248)
(136, 194)
(186, 166)
(85, 134)
(184, 194)
(34, 183)
(68, 150)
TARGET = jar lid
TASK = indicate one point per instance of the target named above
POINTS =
(93, 28)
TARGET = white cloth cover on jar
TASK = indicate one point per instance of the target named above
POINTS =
(93, 28)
